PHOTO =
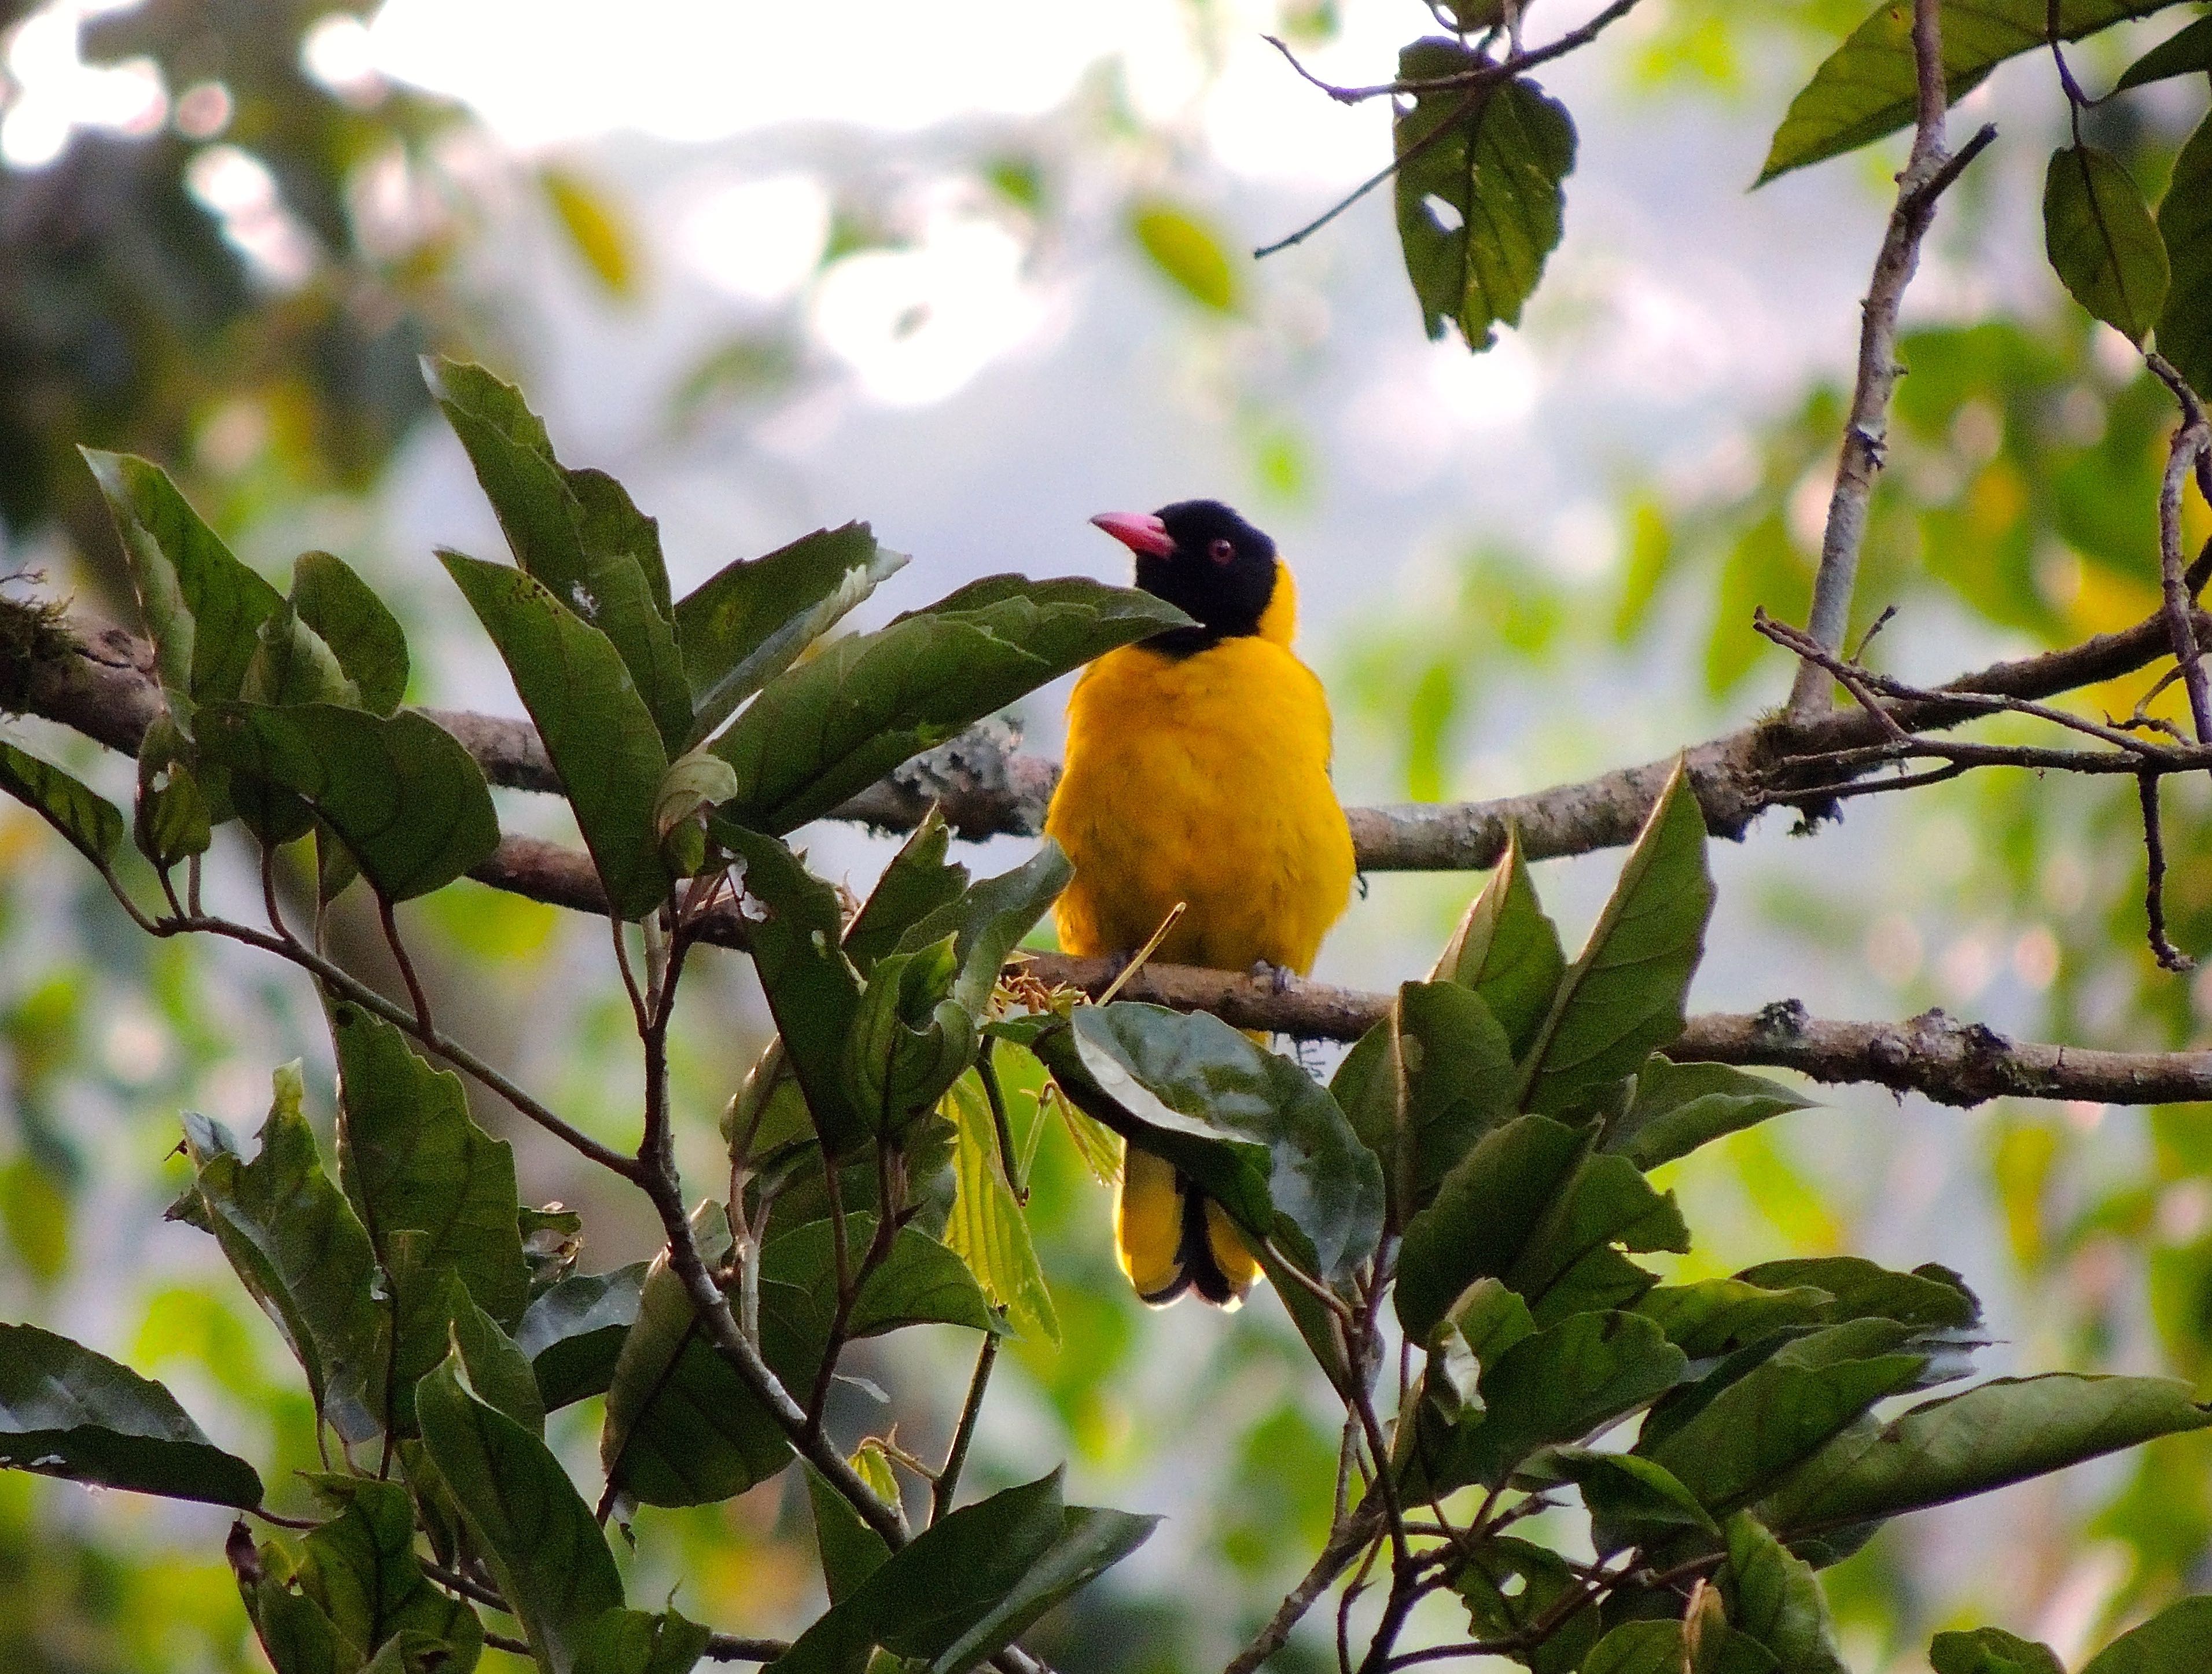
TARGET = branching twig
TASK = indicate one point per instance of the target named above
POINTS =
(2169, 957)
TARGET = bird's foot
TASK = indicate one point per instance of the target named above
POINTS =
(1278, 977)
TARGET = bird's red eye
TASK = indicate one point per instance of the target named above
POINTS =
(1221, 550)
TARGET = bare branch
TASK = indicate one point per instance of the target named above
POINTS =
(1346, 1541)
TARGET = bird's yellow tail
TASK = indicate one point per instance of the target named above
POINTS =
(1171, 1238)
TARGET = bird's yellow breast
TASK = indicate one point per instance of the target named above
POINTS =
(1202, 779)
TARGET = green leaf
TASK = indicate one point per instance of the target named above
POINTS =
(695, 782)
(1485, 1212)
(1493, 161)
(297, 1246)
(1781, 1412)
(1507, 951)
(1990, 1651)
(1252, 1128)
(748, 622)
(1716, 1316)
(68, 1412)
(2000, 1432)
(292, 665)
(971, 1583)
(813, 990)
(411, 1160)
(361, 1572)
(360, 629)
(174, 818)
(204, 608)
(2183, 54)
(2102, 243)
(988, 921)
(576, 531)
(1930, 1297)
(2171, 1642)
(409, 802)
(1509, 1584)
(1868, 87)
(1677, 1107)
(1774, 1599)
(1656, 1648)
(1572, 1264)
(1445, 1079)
(93, 824)
(574, 1330)
(2184, 223)
(909, 1041)
(1621, 1000)
(986, 1228)
(1559, 1384)
(535, 1531)
(295, 1635)
(1632, 1501)
(916, 883)
(849, 1550)
(1186, 251)
(597, 730)
(499, 1372)
(640, 1643)
(832, 727)
(921, 1282)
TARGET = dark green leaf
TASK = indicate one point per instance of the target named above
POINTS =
(989, 920)
(499, 1372)
(1774, 1599)
(1510, 1583)
(830, 728)
(2184, 222)
(1656, 1648)
(538, 1536)
(361, 1572)
(916, 883)
(1485, 1212)
(299, 1249)
(1632, 1501)
(1572, 1264)
(91, 823)
(411, 1160)
(2172, 1642)
(1507, 951)
(202, 607)
(1493, 161)
(1254, 1130)
(357, 626)
(749, 621)
(1991, 1651)
(909, 1041)
(919, 1282)
(1866, 87)
(1446, 1078)
(2102, 243)
(574, 1330)
(813, 992)
(597, 730)
(1720, 1316)
(1930, 1297)
(294, 1634)
(1188, 251)
(1680, 1106)
(66, 1411)
(174, 816)
(407, 800)
(1621, 1000)
(1557, 1385)
(292, 665)
(574, 531)
(849, 1550)
(2187, 53)
(1997, 1433)
(639, 1642)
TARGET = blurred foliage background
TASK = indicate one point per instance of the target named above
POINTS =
(975, 270)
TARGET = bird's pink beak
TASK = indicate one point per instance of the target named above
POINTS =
(1141, 532)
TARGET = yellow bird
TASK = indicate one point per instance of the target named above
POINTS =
(1197, 772)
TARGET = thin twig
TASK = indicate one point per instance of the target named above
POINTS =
(1347, 1538)
(1483, 75)
(947, 1483)
(415, 993)
(2169, 957)
(1137, 960)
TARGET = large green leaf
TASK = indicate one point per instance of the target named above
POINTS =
(1510, 1583)
(597, 731)
(408, 801)
(358, 627)
(986, 1228)
(1574, 1263)
(1184, 248)
(1497, 168)
(535, 1531)
(300, 1249)
(1621, 1000)
(1632, 1501)
(821, 732)
(1507, 951)
(1990, 1651)
(919, 1282)
(293, 664)
(1443, 1078)
(574, 1330)
(988, 920)
(1485, 1212)
(574, 531)
(204, 608)
(93, 824)
(1655, 1647)
(1715, 1317)
(2188, 53)
(2000, 1432)
(1677, 1107)
(411, 1160)
(968, 1586)
(361, 1570)
(2102, 243)
(1930, 1297)
(1868, 87)
(66, 1411)
(2184, 222)
(849, 1550)
(1776, 1599)
(917, 881)
(1254, 1130)
(2172, 1642)
(640, 1643)
(748, 622)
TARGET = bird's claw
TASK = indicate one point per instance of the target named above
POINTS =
(1278, 977)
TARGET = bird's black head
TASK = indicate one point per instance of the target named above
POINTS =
(1203, 558)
